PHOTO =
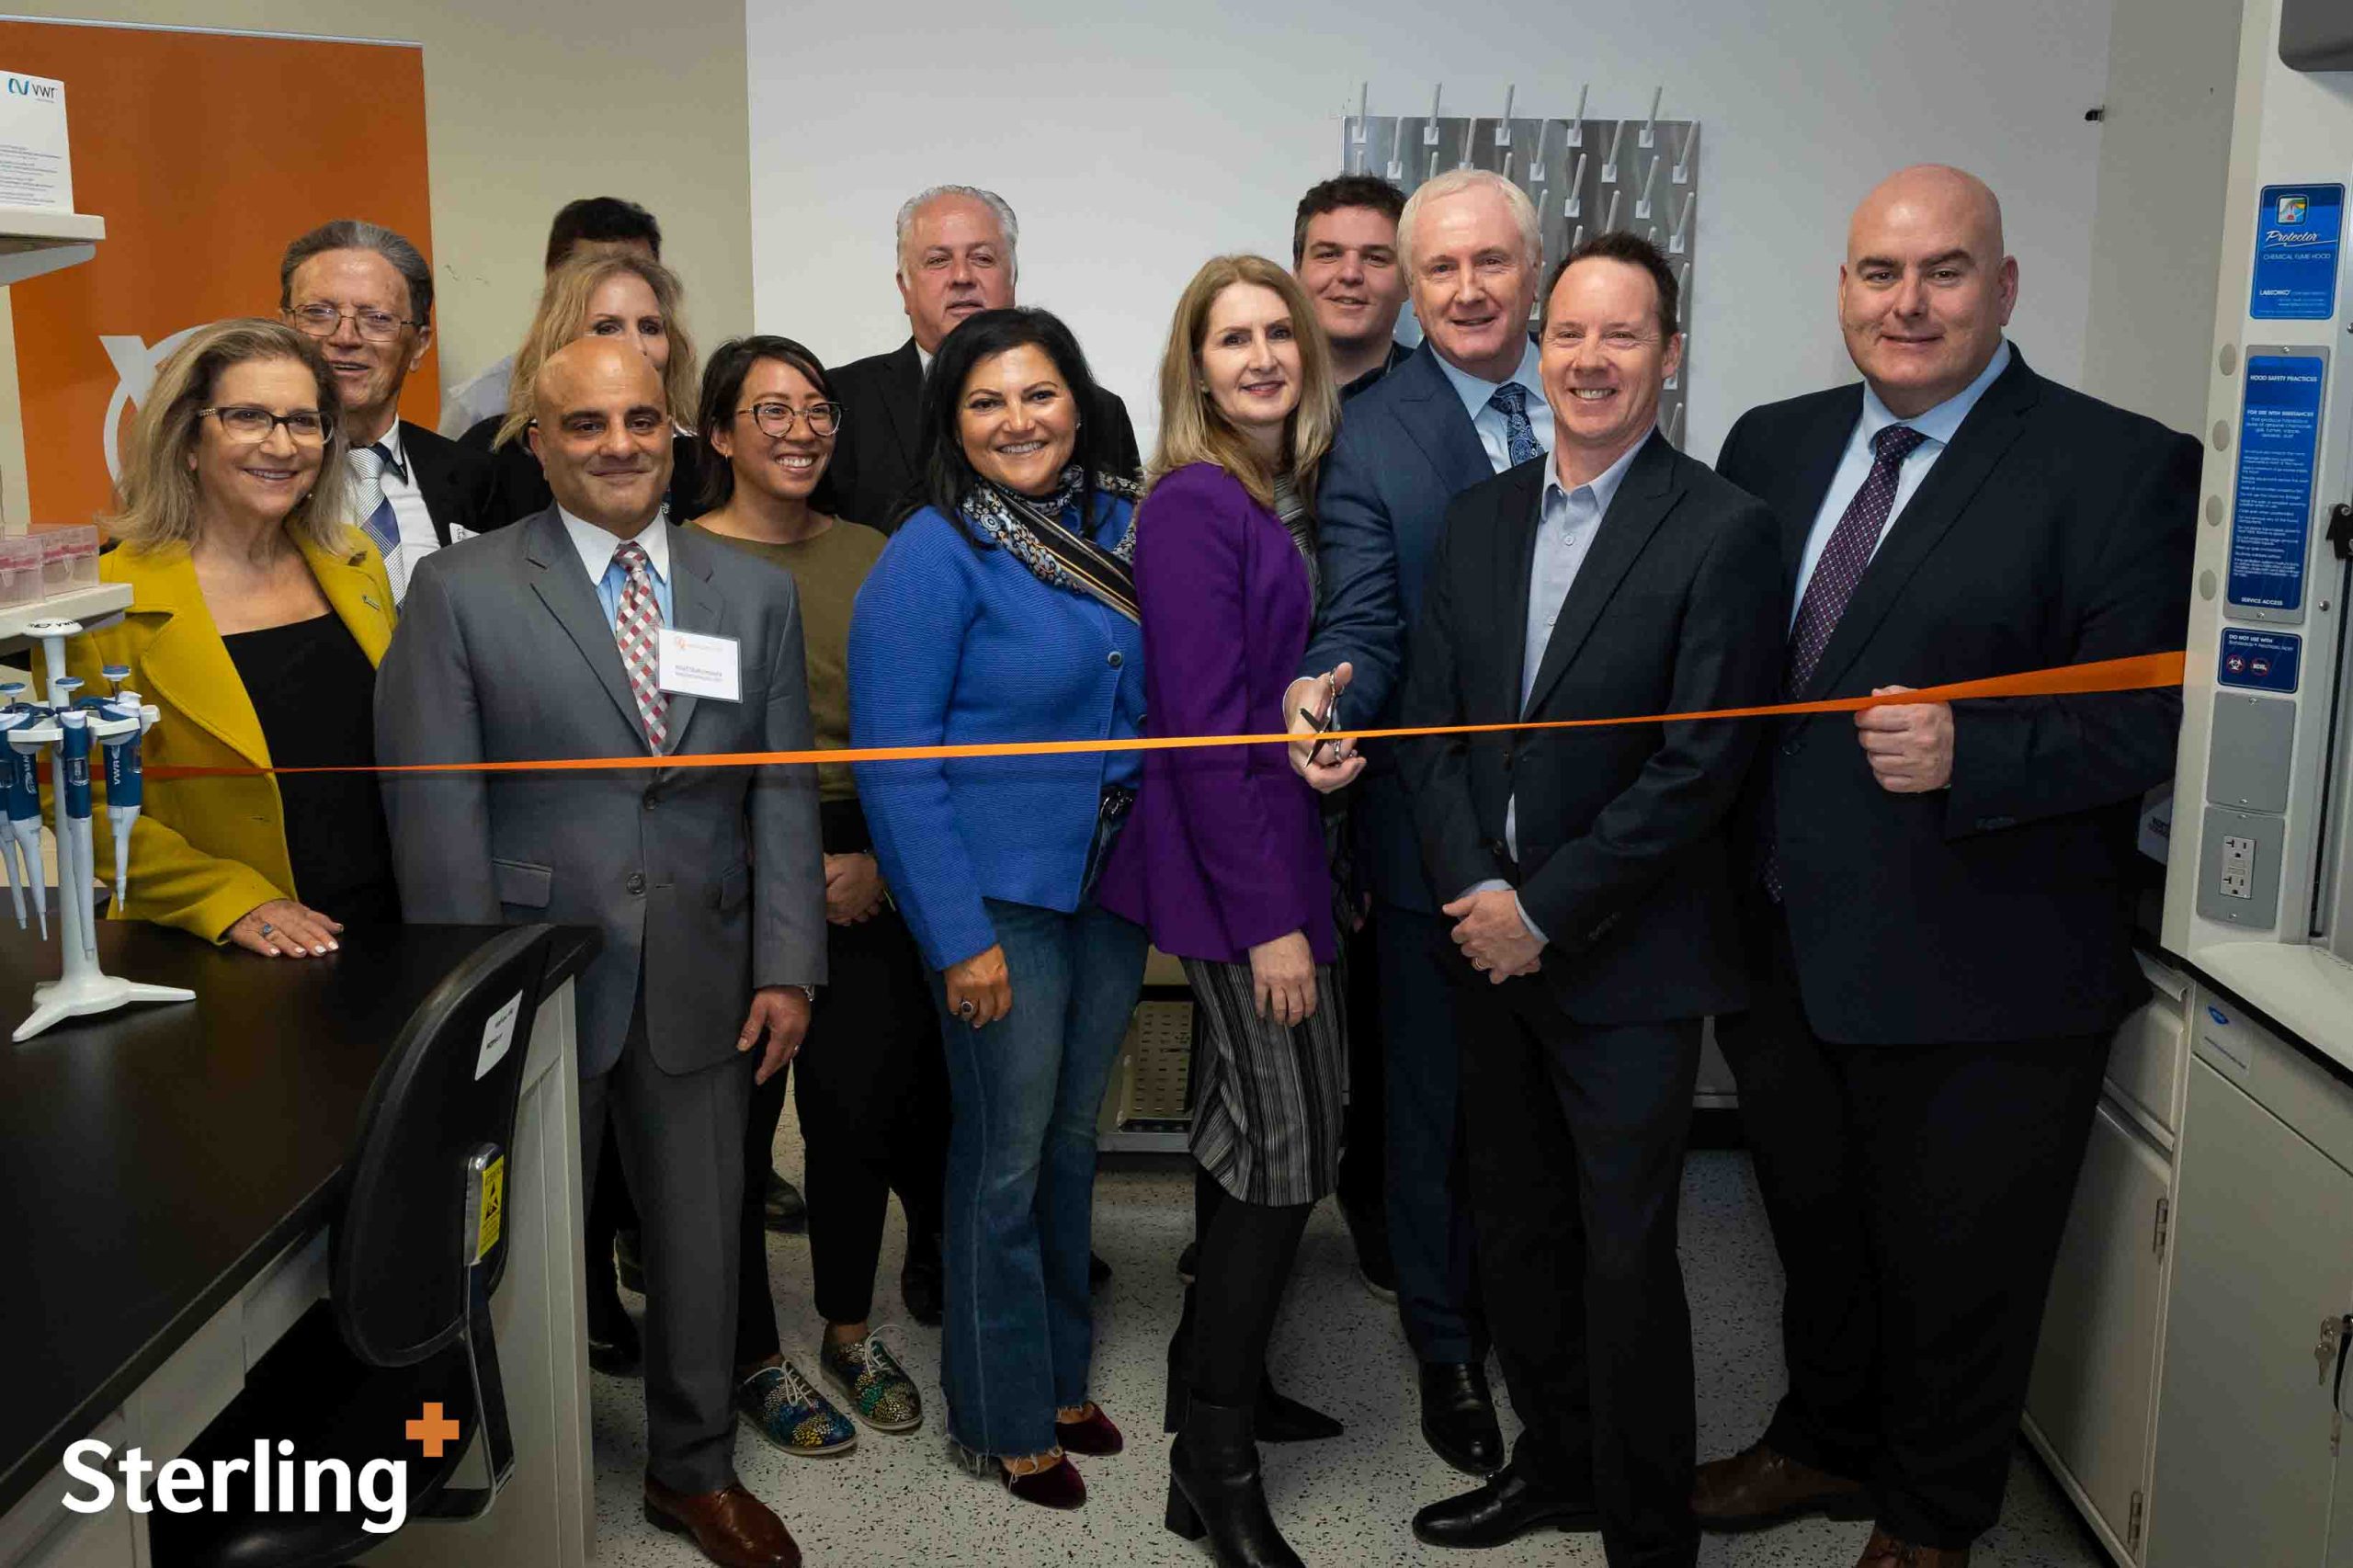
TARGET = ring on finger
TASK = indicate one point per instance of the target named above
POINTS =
(268, 929)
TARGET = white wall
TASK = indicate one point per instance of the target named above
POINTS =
(2164, 170)
(1134, 141)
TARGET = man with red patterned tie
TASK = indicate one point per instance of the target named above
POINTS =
(1939, 895)
(593, 629)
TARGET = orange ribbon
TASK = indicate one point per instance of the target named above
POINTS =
(2141, 673)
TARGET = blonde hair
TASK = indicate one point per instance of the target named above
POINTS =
(1192, 430)
(1454, 182)
(563, 312)
(159, 500)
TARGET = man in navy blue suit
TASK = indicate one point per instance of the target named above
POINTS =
(1939, 895)
(1454, 415)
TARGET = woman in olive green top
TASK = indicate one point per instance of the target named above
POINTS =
(873, 1094)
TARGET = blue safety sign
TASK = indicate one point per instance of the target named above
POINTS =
(2271, 510)
(2298, 230)
(2261, 661)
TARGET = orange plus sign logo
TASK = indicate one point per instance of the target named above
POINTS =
(431, 1430)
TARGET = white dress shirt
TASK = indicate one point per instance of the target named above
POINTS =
(1936, 426)
(1488, 420)
(1566, 521)
(413, 523)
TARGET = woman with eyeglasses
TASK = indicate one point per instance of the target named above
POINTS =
(872, 1092)
(257, 613)
(601, 291)
(1003, 609)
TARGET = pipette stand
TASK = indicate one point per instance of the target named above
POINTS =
(83, 988)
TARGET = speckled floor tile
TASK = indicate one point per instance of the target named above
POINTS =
(896, 1500)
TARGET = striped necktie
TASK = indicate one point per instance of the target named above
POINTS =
(374, 509)
(637, 628)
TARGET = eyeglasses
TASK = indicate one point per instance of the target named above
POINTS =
(243, 422)
(779, 419)
(320, 320)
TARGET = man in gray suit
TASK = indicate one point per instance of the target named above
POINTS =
(593, 629)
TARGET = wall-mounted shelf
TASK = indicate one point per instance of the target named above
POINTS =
(86, 605)
(35, 240)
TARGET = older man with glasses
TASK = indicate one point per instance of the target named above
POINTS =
(956, 247)
(365, 294)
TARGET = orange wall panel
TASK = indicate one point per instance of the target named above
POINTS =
(205, 153)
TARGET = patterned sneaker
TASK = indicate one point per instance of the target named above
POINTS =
(782, 1407)
(876, 1386)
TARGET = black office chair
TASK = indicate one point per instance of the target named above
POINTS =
(415, 1253)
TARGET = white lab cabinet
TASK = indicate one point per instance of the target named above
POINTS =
(2092, 1400)
(2246, 1453)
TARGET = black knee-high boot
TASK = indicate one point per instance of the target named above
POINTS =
(1214, 1483)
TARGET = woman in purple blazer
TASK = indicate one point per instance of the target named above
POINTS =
(1222, 860)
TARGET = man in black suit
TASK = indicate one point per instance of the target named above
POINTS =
(956, 258)
(367, 295)
(1588, 878)
(1937, 896)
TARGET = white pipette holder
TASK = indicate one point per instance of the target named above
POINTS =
(83, 988)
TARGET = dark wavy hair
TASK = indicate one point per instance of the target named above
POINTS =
(944, 475)
(723, 382)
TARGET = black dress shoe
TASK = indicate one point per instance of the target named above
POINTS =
(782, 1206)
(1506, 1507)
(613, 1346)
(1458, 1416)
(920, 1281)
(1098, 1273)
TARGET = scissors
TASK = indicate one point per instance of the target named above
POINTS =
(1324, 726)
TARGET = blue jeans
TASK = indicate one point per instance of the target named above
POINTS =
(1025, 1089)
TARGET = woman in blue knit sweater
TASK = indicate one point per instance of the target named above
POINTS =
(1003, 609)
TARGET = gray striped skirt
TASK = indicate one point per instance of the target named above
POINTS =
(1266, 1111)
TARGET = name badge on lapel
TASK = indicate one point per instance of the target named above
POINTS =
(693, 664)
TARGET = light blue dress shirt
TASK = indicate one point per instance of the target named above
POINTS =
(596, 547)
(1566, 521)
(1488, 420)
(1937, 427)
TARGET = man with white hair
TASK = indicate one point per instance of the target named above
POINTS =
(956, 247)
(1467, 405)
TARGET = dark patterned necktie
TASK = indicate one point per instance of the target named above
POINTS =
(1851, 546)
(1849, 550)
(1510, 400)
(637, 628)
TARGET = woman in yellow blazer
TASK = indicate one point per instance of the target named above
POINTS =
(256, 619)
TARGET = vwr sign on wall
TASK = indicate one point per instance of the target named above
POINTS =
(205, 153)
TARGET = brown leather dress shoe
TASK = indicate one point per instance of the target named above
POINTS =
(1760, 1486)
(1885, 1551)
(733, 1527)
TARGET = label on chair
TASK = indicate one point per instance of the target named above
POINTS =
(499, 1036)
(493, 1207)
